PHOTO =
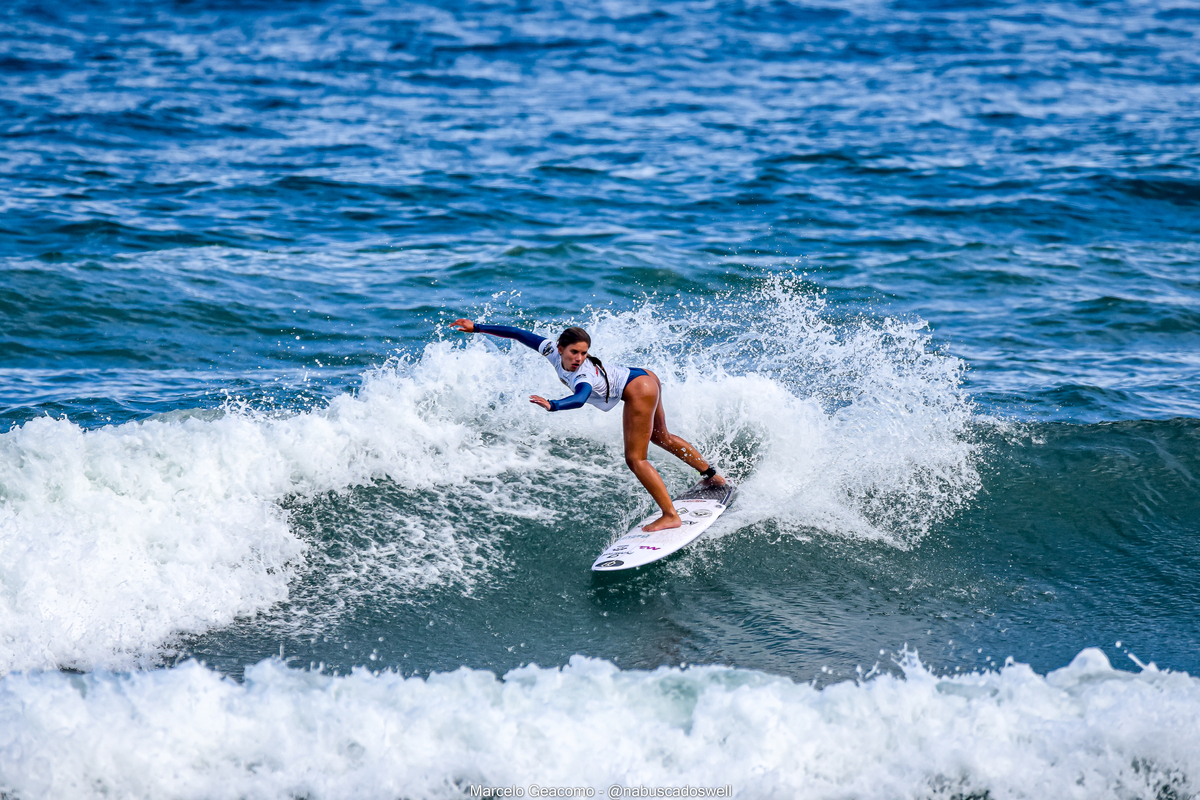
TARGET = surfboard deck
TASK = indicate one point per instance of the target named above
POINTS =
(698, 507)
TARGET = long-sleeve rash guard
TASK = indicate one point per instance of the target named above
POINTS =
(582, 393)
(583, 380)
(530, 340)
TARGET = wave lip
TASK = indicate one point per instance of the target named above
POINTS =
(118, 539)
(1083, 731)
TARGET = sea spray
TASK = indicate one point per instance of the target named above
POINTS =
(853, 426)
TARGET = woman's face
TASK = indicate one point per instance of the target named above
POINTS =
(573, 355)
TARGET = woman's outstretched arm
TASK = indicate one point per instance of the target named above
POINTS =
(530, 340)
(574, 401)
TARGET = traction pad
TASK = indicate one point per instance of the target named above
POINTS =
(725, 495)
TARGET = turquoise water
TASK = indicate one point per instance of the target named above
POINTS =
(923, 278)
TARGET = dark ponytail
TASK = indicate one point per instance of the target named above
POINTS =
(573, 335)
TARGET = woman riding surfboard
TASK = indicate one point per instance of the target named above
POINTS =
(644, 419)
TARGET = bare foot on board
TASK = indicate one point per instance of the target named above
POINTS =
(663, 523)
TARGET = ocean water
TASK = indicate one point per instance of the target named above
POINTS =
(923, 278)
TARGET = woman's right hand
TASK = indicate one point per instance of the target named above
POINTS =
(464, 325)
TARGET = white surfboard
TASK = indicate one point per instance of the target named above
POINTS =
(698, 507)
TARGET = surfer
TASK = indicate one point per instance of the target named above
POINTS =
(643, 416)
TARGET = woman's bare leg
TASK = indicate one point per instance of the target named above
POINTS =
(641, 400)
(676, 445)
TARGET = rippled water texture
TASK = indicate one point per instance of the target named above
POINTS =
(191, 186)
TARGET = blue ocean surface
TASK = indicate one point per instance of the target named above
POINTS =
(922, 278)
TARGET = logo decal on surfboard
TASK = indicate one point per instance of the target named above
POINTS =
(603, 564)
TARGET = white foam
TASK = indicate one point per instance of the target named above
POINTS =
(117, 539)
(1084, 731)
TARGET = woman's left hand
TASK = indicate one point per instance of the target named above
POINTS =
(539, 401)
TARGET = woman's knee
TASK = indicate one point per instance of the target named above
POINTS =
(632, 462)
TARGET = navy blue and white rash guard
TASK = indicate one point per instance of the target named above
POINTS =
(587, 382)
